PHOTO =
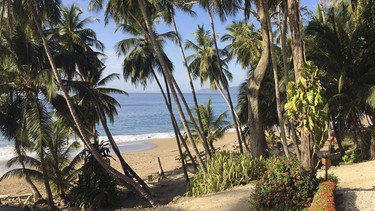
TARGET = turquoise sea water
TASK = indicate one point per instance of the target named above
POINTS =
(142, 117)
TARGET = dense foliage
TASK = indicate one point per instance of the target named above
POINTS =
(225, 170)
(286, 185)
(95, 188)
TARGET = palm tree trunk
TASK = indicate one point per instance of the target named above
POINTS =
(295, 34)
(298, 58)
(204, 140)
(337, 135)
(168, 77)
(258, 144)
(179, 138)
(117, 175)
(224, 81)
(286, 76)
(236, 116)
(50, 202)
(125, 166)
(277, 92)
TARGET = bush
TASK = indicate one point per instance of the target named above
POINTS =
(95, 188)
(225, 170)
(354, 157)
(286, 185)
(324, 198)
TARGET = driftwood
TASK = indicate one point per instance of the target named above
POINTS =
(8, 196)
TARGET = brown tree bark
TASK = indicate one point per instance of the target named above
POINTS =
(258, 144)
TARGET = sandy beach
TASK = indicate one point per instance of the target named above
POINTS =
(355, 189)
(143, 162)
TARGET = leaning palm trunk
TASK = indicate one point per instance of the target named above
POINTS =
(236, 117)
(125, 166)
(224, 81)
(128, 182)
(277, 92)
(258, 144)
(204, 140)
(179, 137)
(168, 76)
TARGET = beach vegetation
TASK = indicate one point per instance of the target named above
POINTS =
(61, 168)
(285, 185)
(225, 170)
(95, 188)
(214, 127)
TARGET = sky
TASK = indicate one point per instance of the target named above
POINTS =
(186, 26)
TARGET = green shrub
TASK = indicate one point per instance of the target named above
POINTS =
(354, 157)
(225, 170)
(324, 198)
(286, 185)
(95, 188)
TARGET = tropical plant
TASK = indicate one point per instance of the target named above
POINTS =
(95, 188)
(225, 170)
(214, 127)
(285, 185)
(305, 107)
(340, 47)
(61, 168)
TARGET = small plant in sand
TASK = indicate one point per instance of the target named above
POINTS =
(225, 170)
(95, 188)
(286, 185)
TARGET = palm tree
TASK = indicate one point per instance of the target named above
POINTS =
(168, 12)
(214, 126)
(30, 81)
(77, 42)
(37, 10)
(343, 55)
(203, 62)
(60, 167)
(140, 64)
(138, 12)
(223, 9)
(257, 139)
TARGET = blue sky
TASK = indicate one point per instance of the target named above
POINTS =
(186, 25)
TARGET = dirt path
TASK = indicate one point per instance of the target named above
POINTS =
(356, 187)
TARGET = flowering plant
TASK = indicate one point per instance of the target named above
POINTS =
(324, 197)
(286, 185)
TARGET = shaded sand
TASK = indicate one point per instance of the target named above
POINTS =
(355, 189)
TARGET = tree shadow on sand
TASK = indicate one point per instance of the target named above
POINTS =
(346, 199)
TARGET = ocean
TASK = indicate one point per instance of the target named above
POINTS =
(142, 117)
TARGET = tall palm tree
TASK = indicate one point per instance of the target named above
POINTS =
(139, 12)
(77, 43)
(140, 64)
(167, 11)
(257, 138)
(223, 9)
(31, 80)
